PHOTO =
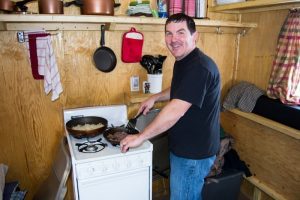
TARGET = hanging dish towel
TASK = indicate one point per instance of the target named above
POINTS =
(132, 46)
(47, 67)
(33, 54)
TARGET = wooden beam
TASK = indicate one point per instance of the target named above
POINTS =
(255, 6)
(269, 123)
(259, 185)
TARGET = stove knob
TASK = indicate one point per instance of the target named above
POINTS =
(116, 166)
(91, 170)
(128, 165)
(104, 169)
(141, 162)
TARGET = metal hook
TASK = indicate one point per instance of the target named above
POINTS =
(218, 30)
(243, 32)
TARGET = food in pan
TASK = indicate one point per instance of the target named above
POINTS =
(117, 136)
(87, 127)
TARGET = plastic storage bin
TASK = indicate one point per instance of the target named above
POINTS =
(225, 186)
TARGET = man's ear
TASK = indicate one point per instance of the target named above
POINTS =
(195, 36)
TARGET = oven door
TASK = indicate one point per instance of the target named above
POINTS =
(133, 185)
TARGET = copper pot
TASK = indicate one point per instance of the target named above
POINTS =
(11, 6)
(98, 7)
(7, 5)
(51, 6)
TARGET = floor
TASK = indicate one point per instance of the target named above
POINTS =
(166, 197)
(160, 189)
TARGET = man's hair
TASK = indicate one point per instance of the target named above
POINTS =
(180, 17)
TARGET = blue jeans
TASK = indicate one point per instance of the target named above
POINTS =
(187, 177)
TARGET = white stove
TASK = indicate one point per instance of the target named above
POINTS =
(109, 173)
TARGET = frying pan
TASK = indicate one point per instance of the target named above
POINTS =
(104, 58)
(86, 120)
(115, 130)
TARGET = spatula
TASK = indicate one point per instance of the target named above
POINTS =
(132, 122)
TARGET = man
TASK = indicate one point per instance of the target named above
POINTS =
(192, 114)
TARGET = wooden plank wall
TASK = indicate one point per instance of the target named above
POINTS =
(273, 157)
(258, 48)
(32, 125)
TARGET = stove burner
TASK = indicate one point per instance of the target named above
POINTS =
(91, 146)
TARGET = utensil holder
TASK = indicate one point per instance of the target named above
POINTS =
(155, 81)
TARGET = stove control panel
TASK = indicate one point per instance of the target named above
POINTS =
(113, 165)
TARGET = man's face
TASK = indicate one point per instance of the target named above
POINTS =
(179, 40)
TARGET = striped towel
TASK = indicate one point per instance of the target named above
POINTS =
(47, 67)
(31, 46)
(242, 96)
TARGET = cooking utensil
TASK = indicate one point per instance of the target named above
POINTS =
(10, 6)
(79, 4)
(7, 5)
(109, 134)
(152, 64)
(86, 120)
(95, 7)
(104, 58)
(51, 6)
(98, 7)
(132, 122)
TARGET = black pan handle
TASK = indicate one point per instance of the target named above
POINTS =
(102, 40)
(67, 4)
(21, 5)
(116, 5)
(77, 116)
(76, 3)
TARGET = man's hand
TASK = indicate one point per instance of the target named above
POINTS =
(146, 106)
(130, 141)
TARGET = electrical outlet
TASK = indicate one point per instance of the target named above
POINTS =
(134, 84)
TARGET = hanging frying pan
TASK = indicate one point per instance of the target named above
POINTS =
(104, 58)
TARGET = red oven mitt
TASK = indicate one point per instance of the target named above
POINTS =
(132, 46)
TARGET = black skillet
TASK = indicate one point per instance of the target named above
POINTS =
(86, 120)
(109, 133)
(104, 58)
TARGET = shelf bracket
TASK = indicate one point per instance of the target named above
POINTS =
(243, 32)
(219, 31)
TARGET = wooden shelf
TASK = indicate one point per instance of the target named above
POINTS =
(136, 97)
(256, 6)
(269, 123)
(93, 22)
(261, 186)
